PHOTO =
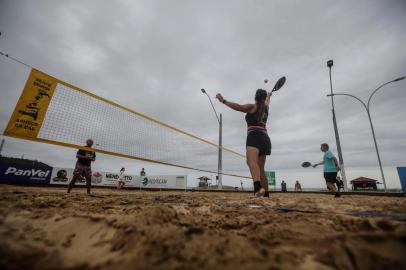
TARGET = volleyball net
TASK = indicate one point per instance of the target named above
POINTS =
(55, 112)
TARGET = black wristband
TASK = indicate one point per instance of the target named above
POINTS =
(224, 101)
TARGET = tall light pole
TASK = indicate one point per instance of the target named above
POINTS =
(220, 151)
(1, 145)
(340, 155)
(367, 108)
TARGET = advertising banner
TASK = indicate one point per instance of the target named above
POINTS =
(270, 175)
(25, 173)
(164, 181)
(62, 176)
(111, 179)
(402, 177)
(32, 106)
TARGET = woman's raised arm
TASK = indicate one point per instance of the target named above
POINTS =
(246, 108)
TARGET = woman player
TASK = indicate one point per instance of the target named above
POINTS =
(258, 142)
(121, 181)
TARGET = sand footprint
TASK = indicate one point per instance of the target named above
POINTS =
(68, 242)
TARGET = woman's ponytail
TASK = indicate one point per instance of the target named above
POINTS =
(260, 97)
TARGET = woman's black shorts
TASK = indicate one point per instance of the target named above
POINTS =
(259, 139)
(330, 177)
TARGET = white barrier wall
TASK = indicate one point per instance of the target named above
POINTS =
(62, 176)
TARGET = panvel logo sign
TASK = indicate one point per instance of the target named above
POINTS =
(32, 173)
(154, 181)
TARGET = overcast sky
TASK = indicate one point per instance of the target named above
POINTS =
(155, 56)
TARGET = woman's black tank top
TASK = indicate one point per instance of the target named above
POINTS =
(253, 120)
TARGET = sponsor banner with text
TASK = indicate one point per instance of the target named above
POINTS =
(32, 106)
(62, 176)
(164, 181)
(111, 179)
(25, 173)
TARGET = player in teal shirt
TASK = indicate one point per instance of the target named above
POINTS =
(330, 169)
(329, 162)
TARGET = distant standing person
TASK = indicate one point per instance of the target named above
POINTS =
(83, 166)
(121, 181)
(283, 186)
(142, 172)
(298, 186)
(330, 169)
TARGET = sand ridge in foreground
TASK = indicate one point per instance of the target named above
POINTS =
(45, 228)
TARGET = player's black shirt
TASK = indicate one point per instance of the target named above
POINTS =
(254, 119)
(86, 161)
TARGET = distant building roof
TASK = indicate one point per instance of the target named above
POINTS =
(203, 178)
(363, 180)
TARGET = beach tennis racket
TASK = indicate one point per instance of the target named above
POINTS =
(279, 84)
(306, 164)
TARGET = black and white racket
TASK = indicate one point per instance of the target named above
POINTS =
(306, 164)
(279, 84)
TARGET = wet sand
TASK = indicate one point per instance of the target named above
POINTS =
(45, 228)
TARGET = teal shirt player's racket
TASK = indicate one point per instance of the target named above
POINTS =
(306, 164)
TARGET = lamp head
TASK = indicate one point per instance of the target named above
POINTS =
(203, 91)
(399, 79)
(330, 63)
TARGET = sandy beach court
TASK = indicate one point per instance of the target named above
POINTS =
(45, 228)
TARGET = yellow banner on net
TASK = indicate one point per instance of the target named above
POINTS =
(32, 106)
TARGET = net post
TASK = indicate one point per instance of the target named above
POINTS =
(340, 155)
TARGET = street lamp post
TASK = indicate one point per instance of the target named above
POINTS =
(367, 108)
(340, 155)
(220, 150)
(1, 145)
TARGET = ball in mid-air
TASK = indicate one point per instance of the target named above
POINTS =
(266, 81)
